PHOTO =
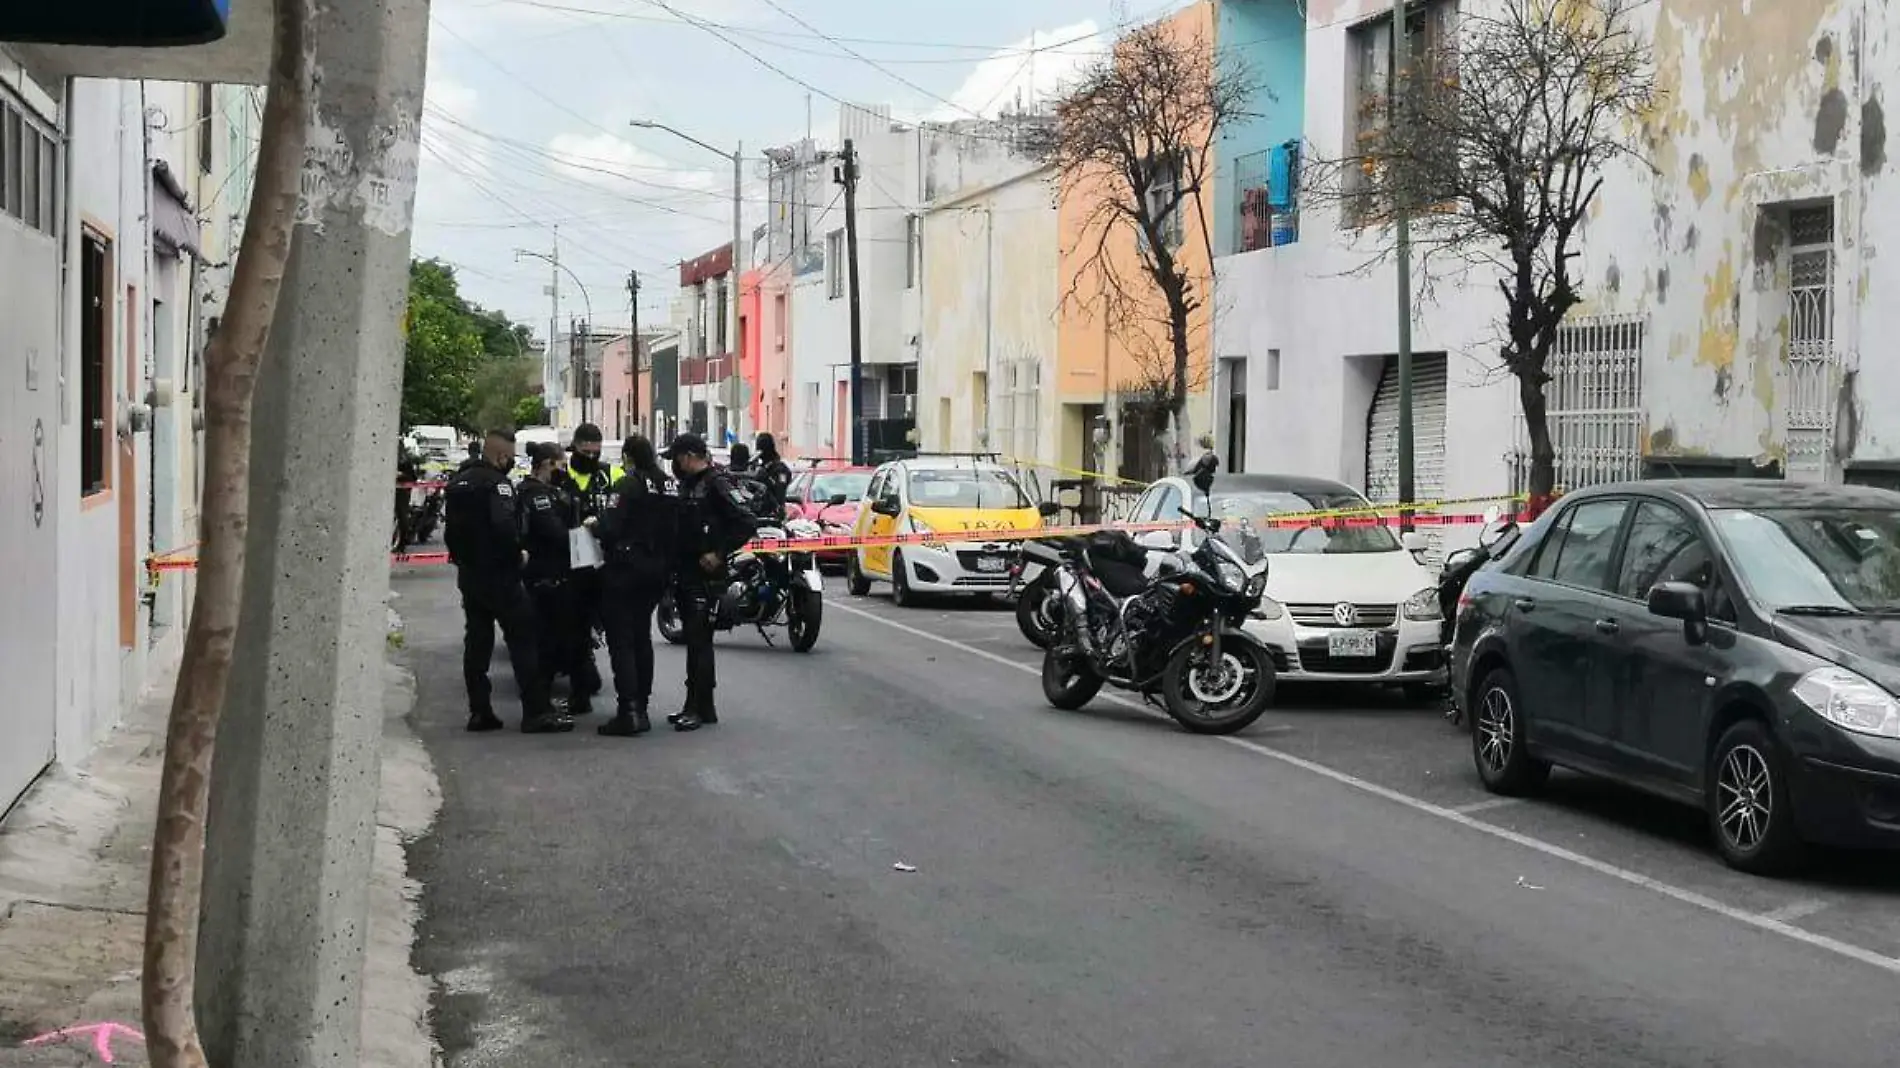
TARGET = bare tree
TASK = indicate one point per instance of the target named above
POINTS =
(1136, 137)
(231, 366)
(1504, 129)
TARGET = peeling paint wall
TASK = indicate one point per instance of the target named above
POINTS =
(988, 296)
(1768, 105)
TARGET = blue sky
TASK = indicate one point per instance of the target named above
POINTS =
(529, 104)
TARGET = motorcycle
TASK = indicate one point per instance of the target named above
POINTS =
(1176, 639)
(1037, 601)
(768, 589)
(1496, 539)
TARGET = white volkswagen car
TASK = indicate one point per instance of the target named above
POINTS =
(1344, 604)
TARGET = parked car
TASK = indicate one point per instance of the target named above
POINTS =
(1349, 604)
(814, 495)
(1730, 644)
(950, 501)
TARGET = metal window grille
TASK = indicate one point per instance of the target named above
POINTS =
(1593, 404)
(1813, 365)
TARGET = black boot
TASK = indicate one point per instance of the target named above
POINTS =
(482, 720)
(546, 723)
(628, 721)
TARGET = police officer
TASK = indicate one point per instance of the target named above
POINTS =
(547, 515)
(773, 470)
(739, 461)
(713, 524)
(484, 541)
(637, 532)
(591, 482)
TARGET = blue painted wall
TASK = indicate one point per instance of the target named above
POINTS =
(1269, 38)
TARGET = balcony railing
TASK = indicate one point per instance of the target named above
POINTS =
(1266, 198)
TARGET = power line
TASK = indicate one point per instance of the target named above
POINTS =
(866, 60)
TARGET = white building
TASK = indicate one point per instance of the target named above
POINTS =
(1728, 292)
(132, 192)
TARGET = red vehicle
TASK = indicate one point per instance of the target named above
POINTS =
(829, 496)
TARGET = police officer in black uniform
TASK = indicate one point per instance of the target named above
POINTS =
(591, 482)
(637, 533)
(772, 470)
(484, 541)
(739, 461)
(547, 515)
(713, 524)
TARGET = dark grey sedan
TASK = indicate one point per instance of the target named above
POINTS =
(1731, 644)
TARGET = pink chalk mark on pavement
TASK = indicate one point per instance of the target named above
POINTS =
(101, 1034)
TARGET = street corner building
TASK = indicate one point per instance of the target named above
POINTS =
(121, 204)
(1731, 273)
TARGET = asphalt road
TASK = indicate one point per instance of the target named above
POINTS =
(1090, 889)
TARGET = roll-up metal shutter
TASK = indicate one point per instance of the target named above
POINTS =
(1428, 438)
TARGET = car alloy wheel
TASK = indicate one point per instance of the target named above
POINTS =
(1745, 796)
(1504, 763)
(1497, 730)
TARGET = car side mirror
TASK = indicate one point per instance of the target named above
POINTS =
(1414, 542)
(1678, 600)
(794, 498)
(885, 507)
(1049, 509)
(837, 499)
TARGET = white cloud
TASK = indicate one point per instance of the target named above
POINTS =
(998, 82)
(528, 20)
(590, 158)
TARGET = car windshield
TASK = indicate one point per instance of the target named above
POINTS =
(850, 483)
(1816, 559)
(966, 487)
(1245, 524)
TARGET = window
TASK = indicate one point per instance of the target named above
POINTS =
(966, 487)
(1593, 404)
(1163, 205)
(835, 266)
(1819, 559)
(10, 153)
(913, 250)
(1810, 398)
(719, 312)
(1665, 546)
(205, 139)
(1430, 31)
(95, 370)
(1577, 552)
(1273, 370)
(779, 318)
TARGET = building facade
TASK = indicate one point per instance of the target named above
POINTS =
(121, 203)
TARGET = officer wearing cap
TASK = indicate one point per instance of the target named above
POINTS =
(591, 481)
(483, 535)
(712, 525)
(547, 515)
(637, 531)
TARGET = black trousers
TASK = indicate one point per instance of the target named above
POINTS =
(587, 606)
(627, 604)
(698, 601)
(563, 635)
(490, 600)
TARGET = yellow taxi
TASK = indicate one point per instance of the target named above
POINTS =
(961, 509)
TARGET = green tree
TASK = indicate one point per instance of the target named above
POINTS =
(463, 365)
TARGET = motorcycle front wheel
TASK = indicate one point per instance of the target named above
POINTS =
(1209, 695)
(1036, 610)
(667, 614)
(807, 616)
(1068, 682)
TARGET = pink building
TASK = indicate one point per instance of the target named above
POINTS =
(765, 360)
(621, 407)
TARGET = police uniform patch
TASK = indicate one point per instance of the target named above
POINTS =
(542, 504)
(504, 489)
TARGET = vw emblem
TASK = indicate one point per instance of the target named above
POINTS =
(1346, 614)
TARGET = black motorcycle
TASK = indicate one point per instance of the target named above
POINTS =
(1176, 639)
(1038, 601)
(1494, 541)
(768, 589)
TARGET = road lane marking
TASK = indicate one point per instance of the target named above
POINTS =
(1486, 805)
(1768, 922)
(1798, 910)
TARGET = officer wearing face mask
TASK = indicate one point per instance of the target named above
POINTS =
(712, 524)
(591, 482)
(547, 515)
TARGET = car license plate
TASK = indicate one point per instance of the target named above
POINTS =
(992, 564)
(1350, 643)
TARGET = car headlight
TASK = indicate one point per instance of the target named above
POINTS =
(1422, 607)
(1268, 609)
(929, 536)
(1850, 702)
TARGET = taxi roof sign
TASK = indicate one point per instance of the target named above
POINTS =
(115, 23)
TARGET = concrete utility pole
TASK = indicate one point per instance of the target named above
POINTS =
(554, 304)
(633, 364)
(848, 177)
(1402, 213)
(731, 386)
(292, 819)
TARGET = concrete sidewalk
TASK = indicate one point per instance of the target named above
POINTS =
(74, 856)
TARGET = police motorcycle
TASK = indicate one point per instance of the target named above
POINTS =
(1176, 638)
(1496, 539)
(768, 589)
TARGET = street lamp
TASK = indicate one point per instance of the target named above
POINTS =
(587, 302)
(737, 156)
